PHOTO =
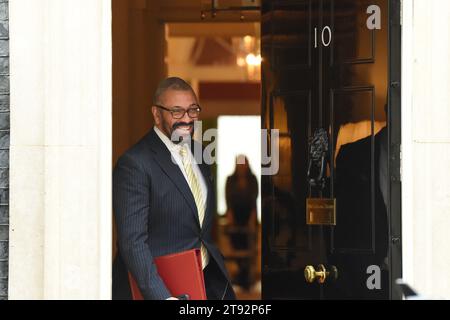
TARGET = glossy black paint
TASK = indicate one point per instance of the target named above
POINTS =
(351, 88)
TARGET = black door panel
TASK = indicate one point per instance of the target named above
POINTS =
(324, 68)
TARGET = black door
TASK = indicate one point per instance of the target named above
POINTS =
(331, 214)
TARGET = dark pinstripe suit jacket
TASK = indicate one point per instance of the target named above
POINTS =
(156, 214)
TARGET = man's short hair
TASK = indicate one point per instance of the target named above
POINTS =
(172, 83)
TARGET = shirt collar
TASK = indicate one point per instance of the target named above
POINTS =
(168, 143)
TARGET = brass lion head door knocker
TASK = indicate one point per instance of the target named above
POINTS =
(319, 210)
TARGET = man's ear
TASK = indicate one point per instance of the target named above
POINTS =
(156, 115)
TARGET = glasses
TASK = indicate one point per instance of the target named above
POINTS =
(178, 112)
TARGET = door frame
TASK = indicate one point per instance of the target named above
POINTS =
(394, 153)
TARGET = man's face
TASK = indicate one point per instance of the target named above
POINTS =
(176, 100)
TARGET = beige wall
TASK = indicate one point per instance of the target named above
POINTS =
(426, 146)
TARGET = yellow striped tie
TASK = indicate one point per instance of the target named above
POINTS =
(198, 196)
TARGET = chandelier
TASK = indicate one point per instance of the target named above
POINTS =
(248, 56)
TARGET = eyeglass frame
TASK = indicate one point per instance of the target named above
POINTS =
(180, 109)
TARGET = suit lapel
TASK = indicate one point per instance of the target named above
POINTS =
(164, 160)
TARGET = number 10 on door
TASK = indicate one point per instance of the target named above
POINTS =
(326, 36)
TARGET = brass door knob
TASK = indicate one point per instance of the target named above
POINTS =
(321, 274)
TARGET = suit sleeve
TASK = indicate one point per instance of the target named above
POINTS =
(131, 202)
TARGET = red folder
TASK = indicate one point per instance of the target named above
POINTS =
(181, 273)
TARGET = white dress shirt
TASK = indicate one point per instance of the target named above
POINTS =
(175, 152)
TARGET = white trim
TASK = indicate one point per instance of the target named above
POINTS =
(105, 156)
(407, 139)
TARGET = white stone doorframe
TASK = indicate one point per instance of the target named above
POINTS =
(61, 149)
(426, 145)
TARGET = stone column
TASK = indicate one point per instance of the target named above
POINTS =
(61, 149)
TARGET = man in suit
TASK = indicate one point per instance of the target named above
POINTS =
(164, 200)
